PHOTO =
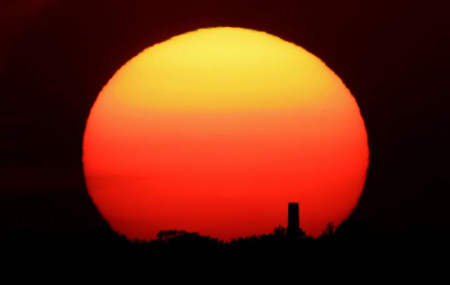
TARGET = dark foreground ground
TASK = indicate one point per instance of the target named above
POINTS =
(344, 248)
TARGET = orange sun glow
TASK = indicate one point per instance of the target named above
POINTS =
(216, 130)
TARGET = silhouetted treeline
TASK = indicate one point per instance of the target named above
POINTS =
(350, 248)
(350, 239)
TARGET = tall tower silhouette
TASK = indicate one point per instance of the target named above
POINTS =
(293, 228)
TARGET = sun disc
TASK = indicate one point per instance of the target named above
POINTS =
(215, 131)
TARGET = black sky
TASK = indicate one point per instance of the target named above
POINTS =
(56, 55)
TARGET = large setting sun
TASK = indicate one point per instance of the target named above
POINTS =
(215, 131)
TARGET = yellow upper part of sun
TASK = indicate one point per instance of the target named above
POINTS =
(223, 69)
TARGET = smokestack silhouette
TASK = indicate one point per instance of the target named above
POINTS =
(293, 228)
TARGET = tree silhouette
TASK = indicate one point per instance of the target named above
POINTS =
(279, 231)
(329, 231)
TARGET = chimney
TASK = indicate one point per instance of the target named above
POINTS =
(293, 228)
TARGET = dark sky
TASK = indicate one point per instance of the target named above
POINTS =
(56, 55)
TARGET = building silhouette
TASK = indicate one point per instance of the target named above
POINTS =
(293, 228)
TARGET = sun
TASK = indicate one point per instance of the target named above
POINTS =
(216, 130)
